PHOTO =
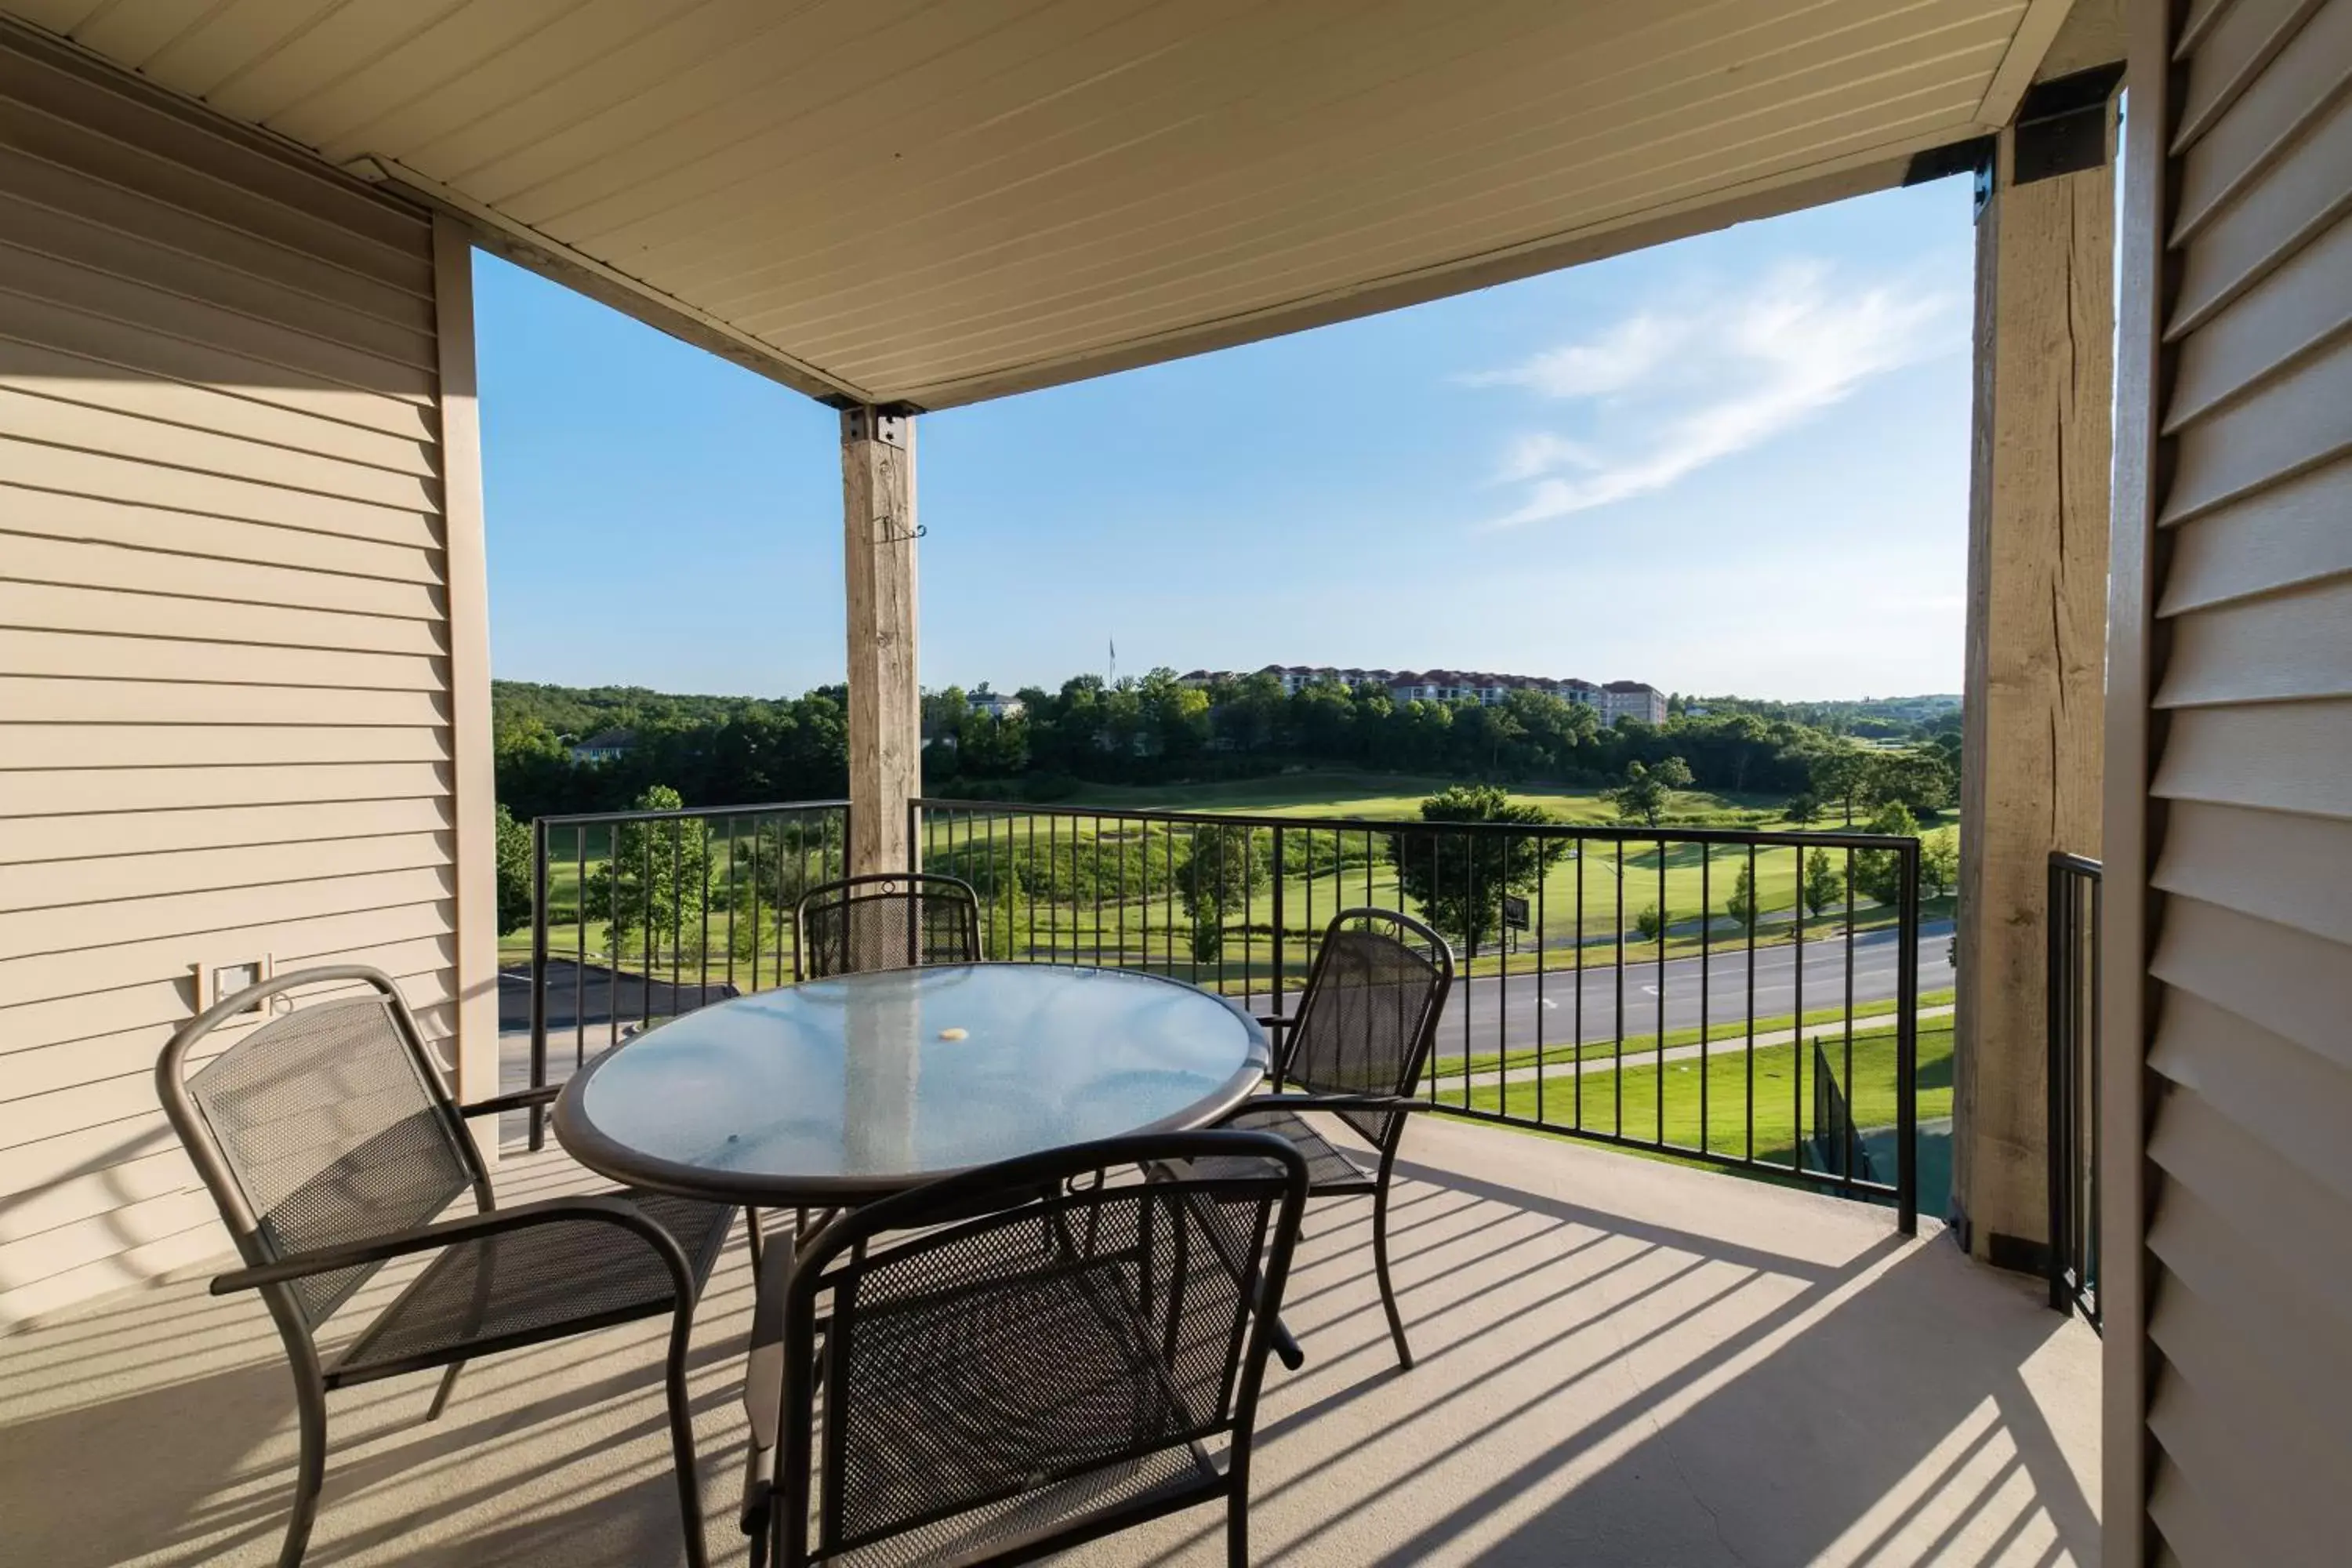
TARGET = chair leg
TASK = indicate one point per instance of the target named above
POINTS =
(309, 1469)
(752, 1235)
(1237, 1532)
(681, 1439)
(441, 1394)
(1380, 1267)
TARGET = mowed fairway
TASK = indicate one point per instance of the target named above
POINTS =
(1120, 878)
(1707, 1106)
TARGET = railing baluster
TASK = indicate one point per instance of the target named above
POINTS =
(1576, 1046)
(1617, 1006)
(1280, 944)
(2070, 1011)
(580, 946)
(1706, 952)
(1543, 879)
(1906, 1041)
(1658, 1040)
(539, 912)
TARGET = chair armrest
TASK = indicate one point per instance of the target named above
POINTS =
(521, 1099)
(466, 1228)
(1290, 1101)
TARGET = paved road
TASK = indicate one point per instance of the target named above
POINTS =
(1508, 1012)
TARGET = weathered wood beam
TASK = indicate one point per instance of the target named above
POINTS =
(2030, 771)
(877, 488)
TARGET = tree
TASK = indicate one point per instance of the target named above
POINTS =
(1223, 870)
(1459, 878)
(1879, 872)
(1005, 928)
(656, 884)
(1177, 715)
(514, 871)
(1940, 862)
(1842, 773)
(1740, 905)
(1646, 790)
(1823, 886)
(1649, 924)
(1803, 809)
(1921, 778)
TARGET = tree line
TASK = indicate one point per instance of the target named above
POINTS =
(722, 751)
(1153, 729)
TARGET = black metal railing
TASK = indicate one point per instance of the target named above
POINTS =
(1651, 987)
(2073, 1079)
(1836, 1138)
(641, 915)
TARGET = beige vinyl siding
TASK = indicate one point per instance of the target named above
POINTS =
(2246, 1302)
(228, 726)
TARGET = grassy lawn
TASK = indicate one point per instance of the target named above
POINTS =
(1592, 896)
(1633, 1048)
(1327, 792)
(1704, 1108)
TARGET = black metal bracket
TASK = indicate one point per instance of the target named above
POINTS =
(1973, 156)
(887, 427)
(2063, 125)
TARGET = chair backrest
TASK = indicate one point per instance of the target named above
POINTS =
(326, 1124)
(1088, 1319)
(1369, 1017)
(888, 920)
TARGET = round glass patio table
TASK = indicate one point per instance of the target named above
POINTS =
(848, 1089)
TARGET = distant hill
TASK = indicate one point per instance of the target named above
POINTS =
(1867, 718)
(580, 711)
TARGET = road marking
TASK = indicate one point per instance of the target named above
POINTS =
(1649, 991)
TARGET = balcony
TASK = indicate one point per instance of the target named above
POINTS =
(249, 696)
(1620, 1360)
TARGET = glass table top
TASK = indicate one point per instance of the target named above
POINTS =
(863, 1084)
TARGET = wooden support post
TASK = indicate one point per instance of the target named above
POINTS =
(877, 488)
(2038, 522)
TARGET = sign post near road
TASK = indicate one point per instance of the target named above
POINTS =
(1514, 916)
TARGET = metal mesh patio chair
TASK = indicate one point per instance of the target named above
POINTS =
(885, 920)
(1355, 1049)
(888, 921)
(330, 1141)
(1020, 1358)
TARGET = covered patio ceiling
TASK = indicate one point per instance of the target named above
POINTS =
(926, 204)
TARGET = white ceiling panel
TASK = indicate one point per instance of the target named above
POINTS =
(935, 201)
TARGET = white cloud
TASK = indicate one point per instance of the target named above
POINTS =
(1671, 391)
(1538, 452)
(1624, 356)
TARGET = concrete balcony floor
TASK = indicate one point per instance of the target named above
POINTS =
(1622, 1362)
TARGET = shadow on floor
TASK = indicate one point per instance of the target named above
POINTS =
(1619, 1363)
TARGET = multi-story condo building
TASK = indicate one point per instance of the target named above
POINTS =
(1632, 699)
(1618, 699)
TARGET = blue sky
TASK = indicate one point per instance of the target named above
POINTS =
(1736, 463)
